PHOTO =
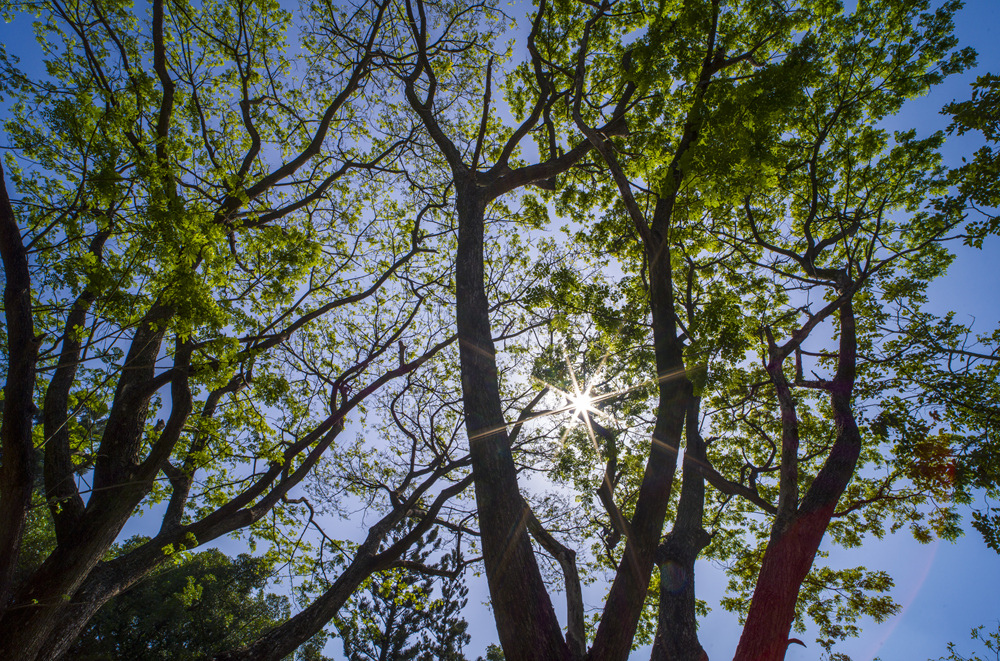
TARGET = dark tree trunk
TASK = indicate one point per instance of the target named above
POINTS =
(119, 485)
(677, 622)
(623, 608)
(526, 620)
(17, 473)
(38, 605)
(106, 581)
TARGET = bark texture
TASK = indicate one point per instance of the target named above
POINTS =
(526, 620)
(677, 623)
(795, 538)
(17, 474)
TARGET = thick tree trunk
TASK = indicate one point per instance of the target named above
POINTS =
(38, 606)
(526, 620)
(119, 485)
(106, 581)
(613, 641)
(677, 621)
(790, 553)
(786, 563)
(17, 452)
(793, 545)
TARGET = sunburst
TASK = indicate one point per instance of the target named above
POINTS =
(580, 401)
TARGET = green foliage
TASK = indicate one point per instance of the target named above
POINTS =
(224, 256)
(493, 653)
(990, 641)
(402, 617)
(205, 604)
(977, 178)
(945, 416)
(39, 540)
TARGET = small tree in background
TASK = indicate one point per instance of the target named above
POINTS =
(205, 604)
(398, 617)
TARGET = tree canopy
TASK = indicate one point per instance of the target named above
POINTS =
(651, 277)
(204, 604)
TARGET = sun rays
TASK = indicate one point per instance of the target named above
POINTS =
(579, 401)
(582, 403)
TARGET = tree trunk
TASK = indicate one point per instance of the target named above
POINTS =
(39, 604)
(627, 596)
(17, 473)
(118, 486)
(677, 621)
(526, 620)
(793, 545)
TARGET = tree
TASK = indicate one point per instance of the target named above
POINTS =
(788, 97)
(399, 617)
(493, 653)
(190, 223)
(254, 245)
(954, 371)
(977, 179)
(200, 605)
(946, 393)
